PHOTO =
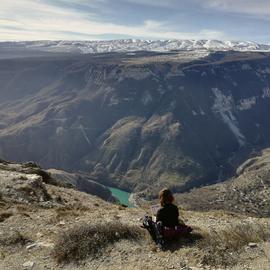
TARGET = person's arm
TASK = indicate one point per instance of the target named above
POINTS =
(180, 221)
(158, 218)
(177, 213)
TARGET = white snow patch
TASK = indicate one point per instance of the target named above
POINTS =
(246, 67)
(114, 101)
(266, 92)
(146, 98)
(265, 71)
(85, 135)
(223, 105)
(194, 113)
(203, 74)
(87, 161)
(60, 131)
(202, 111)
(246, 103)
(161, 90)
(128, 99)
(172, 105)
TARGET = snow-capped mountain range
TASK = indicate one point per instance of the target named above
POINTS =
(128, 45)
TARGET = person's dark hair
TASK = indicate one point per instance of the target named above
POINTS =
(165, 197)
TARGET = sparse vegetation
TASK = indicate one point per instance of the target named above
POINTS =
(71, 210)
(89, 240)
(4, 215)
(222, 247)
(13, 238)
(57, 232)
(35, 191)
(67, 211)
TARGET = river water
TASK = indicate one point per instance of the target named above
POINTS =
(121, 195)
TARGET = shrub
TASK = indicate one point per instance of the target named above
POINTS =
(5, 215)
(1, 197)
(66, 211)
(222, 247)
(13, 238)
(89, 240)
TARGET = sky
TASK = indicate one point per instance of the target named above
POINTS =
(247, 20)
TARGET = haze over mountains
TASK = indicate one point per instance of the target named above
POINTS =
(135, 120)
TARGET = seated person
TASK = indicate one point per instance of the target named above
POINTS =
(168, 214)
(167, 225)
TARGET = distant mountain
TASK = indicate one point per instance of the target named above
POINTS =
(131, 45)
(137, 120)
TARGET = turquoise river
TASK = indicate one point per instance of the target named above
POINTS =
(121, 195)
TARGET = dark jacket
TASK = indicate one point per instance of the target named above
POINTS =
(168, 215)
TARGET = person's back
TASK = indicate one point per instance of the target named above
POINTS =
(168, 215)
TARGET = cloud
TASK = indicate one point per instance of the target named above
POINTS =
(258, 7)
(254, 7)
(156, 3)
(31, 20)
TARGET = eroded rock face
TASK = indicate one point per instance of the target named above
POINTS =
(17, 186)
(146, 120)
(82, 182)
(26, 183)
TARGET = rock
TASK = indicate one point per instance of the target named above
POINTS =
(39, 235)
(16, 185)
(45, 244)
(252, 245)
(31, 246)
(62, 222)
(28, 265)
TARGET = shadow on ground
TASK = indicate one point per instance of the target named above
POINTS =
(185, 241)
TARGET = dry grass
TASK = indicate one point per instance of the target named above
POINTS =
(222, 247)
(25, 208)
(5, 215)
(90, 240)
(66, 211)
(13, 238)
